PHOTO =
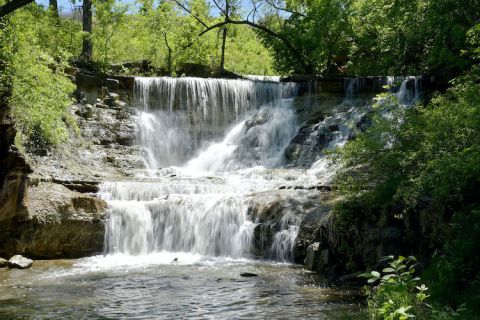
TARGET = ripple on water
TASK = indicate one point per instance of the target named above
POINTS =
(152, 287)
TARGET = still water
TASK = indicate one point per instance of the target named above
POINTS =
(192, 287)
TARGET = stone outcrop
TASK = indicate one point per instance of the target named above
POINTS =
(19, 262)
(13, 172)
(274, 211)
(58, 223)
(47, 203)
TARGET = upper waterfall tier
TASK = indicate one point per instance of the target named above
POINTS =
(180, 115)
(208, 98)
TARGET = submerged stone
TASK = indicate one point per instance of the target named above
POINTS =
(248, 275)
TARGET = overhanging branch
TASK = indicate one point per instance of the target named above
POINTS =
(13, 5)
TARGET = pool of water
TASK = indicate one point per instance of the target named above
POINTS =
(167, 286)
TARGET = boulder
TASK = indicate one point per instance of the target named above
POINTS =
(87, 111)
(3, 263)
(19, 262)
(60, 224)
(260, 118)
(110, 98)
(312, 255)
(87, 80)
(317, 259)
(306, 233)
(119, 104)
(112, 84)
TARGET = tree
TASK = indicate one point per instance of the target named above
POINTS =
(87, 49)
(227, 10)
(53, 4)
(13, 5)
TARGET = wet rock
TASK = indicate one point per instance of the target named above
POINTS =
(19, 262)
(317, 258)
(274, 211)
(333, 127)
(3, 263)
(118, 105)
(86, 80)
(248, 275)
(14, 170)
(258, 119)
(101, 105)
(312, 255)
(88, 111)
(306, 233)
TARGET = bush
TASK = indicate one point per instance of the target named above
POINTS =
(40, 90)
(397, 295)
(400, 296)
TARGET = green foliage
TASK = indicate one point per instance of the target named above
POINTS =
(320, 34)
(453, 274)
(425, 158)
(375, 37)
(429, 151)
(40, 91)
(109, 16)
(398, 296)
(169, 38)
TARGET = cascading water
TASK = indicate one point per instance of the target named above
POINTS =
(210, 145)
(180, 115)
(211, 128)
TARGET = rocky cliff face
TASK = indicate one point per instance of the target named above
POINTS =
(57, 223)
(48, 207)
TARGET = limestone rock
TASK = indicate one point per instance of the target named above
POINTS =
(258, 119)
(119, 104)
(306, 233)
(312, 255)
(19, 262)
(112, 84)
(111, 98)
(60, 223)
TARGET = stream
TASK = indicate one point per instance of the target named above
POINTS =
(180, 234)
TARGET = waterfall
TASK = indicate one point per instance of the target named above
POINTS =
(180, 115)
(195, 135)
(214, 146)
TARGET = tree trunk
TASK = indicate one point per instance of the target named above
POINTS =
(87, 49)
(222, 58)
(12, 6)
(169, 57)
(53, 4)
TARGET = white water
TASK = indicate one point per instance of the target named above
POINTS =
(178, 116)
(210, 145)
(205, 131)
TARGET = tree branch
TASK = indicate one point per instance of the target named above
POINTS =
(273, 5)
(181, 5)
(272, 33)
(12, 6)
